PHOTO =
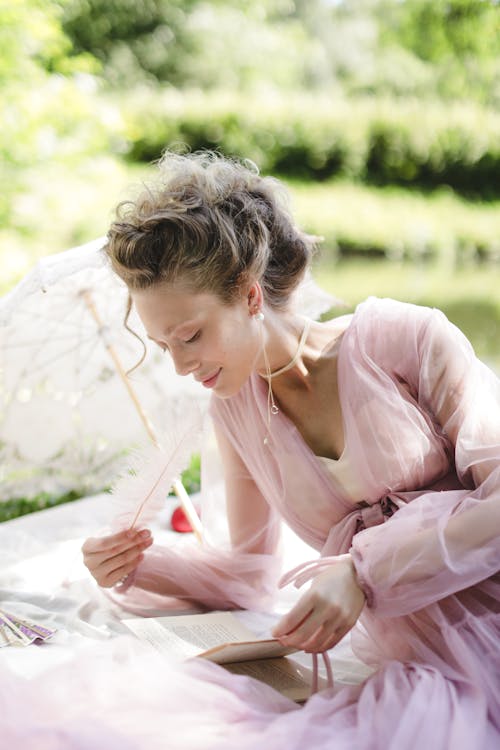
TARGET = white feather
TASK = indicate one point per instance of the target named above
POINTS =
(140, 493)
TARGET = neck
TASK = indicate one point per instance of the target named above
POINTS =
(268, 372)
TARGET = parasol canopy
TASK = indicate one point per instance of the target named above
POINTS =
(66, 419)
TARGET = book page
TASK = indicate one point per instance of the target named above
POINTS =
(190, 635)
(149, 629)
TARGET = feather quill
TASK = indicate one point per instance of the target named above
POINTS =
(140, 493)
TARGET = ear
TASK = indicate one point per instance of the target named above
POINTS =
(255, 298)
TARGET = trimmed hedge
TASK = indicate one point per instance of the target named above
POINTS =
(403, 142)
(21, 506)
(396, 223)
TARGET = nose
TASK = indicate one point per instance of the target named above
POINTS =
(184, 363)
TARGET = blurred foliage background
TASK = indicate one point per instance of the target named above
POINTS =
(382, 116)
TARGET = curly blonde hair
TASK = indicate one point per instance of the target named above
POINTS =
(214, 224)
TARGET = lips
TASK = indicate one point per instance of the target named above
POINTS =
(211, 380)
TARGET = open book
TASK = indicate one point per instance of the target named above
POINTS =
(220, 637)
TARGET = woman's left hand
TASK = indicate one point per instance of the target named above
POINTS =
(326, 612)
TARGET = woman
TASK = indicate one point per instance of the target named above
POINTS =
(375, 436)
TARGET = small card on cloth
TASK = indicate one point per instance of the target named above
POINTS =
(15, 631)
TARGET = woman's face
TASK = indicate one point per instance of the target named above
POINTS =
(216, 343)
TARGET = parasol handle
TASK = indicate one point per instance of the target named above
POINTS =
(178, 487)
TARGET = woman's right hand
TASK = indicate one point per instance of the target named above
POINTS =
(112, 558)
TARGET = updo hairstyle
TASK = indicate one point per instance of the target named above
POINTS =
(214, 225)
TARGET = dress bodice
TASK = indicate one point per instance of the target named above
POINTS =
(345, 476)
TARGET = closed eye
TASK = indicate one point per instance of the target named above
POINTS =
(193, 338)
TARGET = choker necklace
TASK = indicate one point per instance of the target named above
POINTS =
(300, 348)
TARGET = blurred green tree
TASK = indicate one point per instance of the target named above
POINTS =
(458, 40)
(447, 48)
(435, 30)
(133, 39)
(46, 104)
(34, 43)
(31, 43)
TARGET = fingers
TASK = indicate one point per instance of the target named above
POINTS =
(112, 557)
(112, 569)
(313, 632)
(314, 624)
(109, 578)
(293, 619)
(114, 542)
(309, 614)
(317, 632)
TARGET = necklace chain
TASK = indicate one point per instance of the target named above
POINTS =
(303, 338)
(271, 404)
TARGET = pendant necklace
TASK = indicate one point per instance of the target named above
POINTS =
(271, 404)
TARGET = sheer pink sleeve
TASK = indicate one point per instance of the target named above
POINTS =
(440, 542)
(237, 565)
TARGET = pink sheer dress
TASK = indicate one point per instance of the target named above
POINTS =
(415, 499)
